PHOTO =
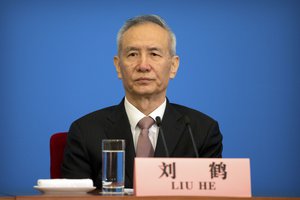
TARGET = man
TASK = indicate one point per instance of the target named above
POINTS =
(145, 63)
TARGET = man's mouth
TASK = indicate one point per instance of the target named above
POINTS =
(143, 78)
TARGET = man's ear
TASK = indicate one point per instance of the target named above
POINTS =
(174, 66)
(117, 65)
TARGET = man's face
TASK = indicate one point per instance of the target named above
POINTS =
(144, 62)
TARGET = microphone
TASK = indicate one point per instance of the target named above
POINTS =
(188, 124)
(158, 123)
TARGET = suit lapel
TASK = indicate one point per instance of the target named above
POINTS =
(173, 127)
(119, 128)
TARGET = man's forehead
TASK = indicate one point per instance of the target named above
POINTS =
(147, 36)
(139, 48)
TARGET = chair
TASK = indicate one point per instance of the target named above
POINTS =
(57, 146)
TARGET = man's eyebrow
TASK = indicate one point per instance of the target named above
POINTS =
(132, 48)
(127, 49)
(154, 49)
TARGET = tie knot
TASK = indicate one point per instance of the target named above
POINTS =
(145, 123)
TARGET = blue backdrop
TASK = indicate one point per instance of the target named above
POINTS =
(240, 64)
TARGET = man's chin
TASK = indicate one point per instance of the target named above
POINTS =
(144, 92)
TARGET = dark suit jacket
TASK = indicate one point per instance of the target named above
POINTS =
(82, 157)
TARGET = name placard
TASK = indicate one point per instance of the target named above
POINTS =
(192, 177)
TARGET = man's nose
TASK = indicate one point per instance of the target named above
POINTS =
(144, 64)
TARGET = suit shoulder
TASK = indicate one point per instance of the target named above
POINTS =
(96, 116)
(192, 113)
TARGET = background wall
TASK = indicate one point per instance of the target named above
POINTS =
(239, 64)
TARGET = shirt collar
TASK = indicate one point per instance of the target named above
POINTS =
(134, 115)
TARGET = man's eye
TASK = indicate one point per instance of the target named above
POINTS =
(154, 54)
(132, 54)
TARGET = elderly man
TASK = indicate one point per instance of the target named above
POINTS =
(145, 63)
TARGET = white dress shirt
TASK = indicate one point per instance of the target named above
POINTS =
(134, 116)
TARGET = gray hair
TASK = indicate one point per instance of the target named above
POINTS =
(147, 19)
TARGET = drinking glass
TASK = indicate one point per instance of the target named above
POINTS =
(113, 165)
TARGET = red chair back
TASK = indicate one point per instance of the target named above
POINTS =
(57, 147)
